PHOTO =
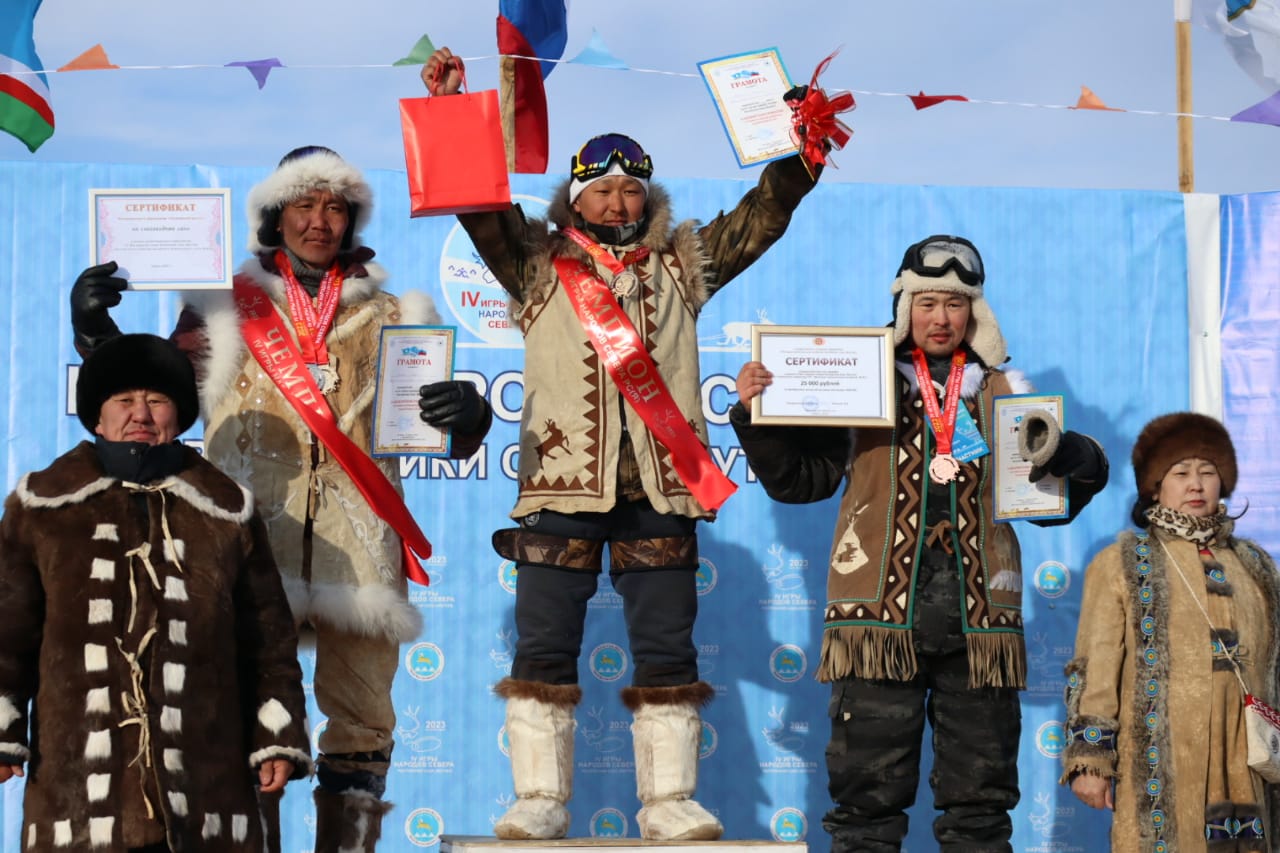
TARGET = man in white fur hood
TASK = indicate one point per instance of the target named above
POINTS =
(924, 591)
(322, 309)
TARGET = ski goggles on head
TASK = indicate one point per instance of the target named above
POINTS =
(937, 256)
(598, 153)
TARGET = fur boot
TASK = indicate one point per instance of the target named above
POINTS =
(540, 728)
(350, 822)
(667, 732)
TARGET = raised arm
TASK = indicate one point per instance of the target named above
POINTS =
(735, 240)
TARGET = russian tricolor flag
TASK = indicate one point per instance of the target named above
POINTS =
(25, 109)
(531, 28)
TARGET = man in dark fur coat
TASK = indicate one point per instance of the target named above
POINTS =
(610, 433)
(159, 683)
(924, 592)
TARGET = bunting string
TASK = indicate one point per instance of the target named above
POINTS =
(659, 71)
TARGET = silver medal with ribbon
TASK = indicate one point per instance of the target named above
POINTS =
(624, 284)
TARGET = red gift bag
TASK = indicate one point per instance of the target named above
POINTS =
(454, 154)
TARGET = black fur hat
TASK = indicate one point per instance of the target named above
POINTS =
(133, 362)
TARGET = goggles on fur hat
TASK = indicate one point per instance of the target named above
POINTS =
(946, 264)
(938, 255)
(599, 152)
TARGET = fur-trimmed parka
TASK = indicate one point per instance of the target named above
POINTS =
(573, 419)
(146, 629)
(354, 581)
(1140, 687)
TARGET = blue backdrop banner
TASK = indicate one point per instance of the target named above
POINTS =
(1090, 289)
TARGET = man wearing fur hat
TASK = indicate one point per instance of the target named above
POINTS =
(303, 325)
(162, 680)
(613, 450)
(924, 591)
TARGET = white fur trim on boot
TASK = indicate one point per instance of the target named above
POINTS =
(540, 735)
(666, 739)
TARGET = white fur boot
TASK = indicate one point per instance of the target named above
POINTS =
(666, 738)
(540, 734)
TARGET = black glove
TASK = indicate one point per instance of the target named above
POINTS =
(455, 405)
(796, 94)
(1078, 457)
(96, 290)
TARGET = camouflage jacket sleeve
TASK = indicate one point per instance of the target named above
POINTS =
(735, 240)
(505, 240)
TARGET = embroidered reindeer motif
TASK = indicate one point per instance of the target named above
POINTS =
(555, 438)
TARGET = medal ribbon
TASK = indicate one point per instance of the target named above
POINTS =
(620, 349)
(944, 421)
(600, 256)
(268, 339)
(311, 328)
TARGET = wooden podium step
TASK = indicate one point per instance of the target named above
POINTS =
(489, 844)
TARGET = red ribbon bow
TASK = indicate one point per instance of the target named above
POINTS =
(814, 125)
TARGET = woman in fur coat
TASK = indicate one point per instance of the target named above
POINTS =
(1156, 726)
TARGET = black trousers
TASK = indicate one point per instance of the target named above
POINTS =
(877, 727)
(659, 603)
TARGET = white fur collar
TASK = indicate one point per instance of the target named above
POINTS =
(81, 460)
(226, 347)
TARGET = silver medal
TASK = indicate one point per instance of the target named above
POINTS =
(624, 284)
(325, 376)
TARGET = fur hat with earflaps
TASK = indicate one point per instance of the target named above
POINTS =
(312, 167)
(133, 363)
(946, 264)
(1169, 439)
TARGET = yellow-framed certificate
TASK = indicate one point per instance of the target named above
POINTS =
(747, 89)
(1016, 498)
(163, 239)
(408, 358)
(825, 375)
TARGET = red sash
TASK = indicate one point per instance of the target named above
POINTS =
(620, 349)
(276, 353)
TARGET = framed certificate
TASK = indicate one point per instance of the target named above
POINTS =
(1015, 497)
(825, 375)
(163, 239)
(747, 89)
(408, 358)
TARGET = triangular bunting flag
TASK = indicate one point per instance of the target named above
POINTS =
(259, 68)
(597, 54)
(1090, 101)
(1263, 112)
(923, 101)
(420, 54)
(93, 59)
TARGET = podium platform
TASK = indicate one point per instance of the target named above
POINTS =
(489, 844)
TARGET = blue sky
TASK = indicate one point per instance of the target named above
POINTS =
(1018, 51)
